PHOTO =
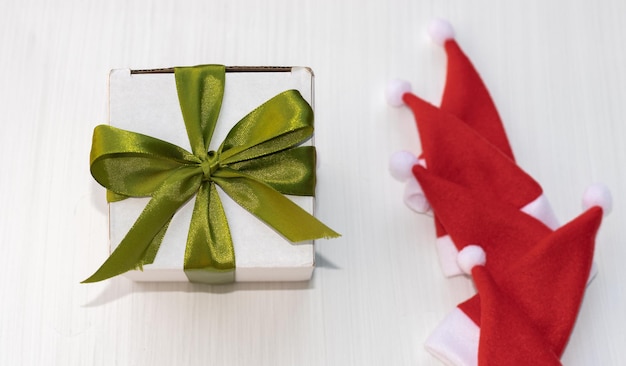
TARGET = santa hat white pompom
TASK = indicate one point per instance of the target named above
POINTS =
(440, 31)
(401, 165)
(598, 194)
(395, 90)
(470, 257)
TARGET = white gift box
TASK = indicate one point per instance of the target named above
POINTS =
(147, 102)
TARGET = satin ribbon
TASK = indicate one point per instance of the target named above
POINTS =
(258, 162)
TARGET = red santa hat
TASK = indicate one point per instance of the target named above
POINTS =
(528, 311)
(463, 141)
(470, 215)
(478, 194)
(464, 95)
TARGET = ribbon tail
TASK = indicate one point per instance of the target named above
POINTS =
(138, 244)
(210, 254)
(271, 207)
(155, 244)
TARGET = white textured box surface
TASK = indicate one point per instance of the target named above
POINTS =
(148, 104)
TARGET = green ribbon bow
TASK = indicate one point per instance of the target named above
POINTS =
(258, 162)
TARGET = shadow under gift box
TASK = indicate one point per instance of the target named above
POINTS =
(147, 102)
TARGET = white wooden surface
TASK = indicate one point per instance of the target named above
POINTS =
(555, 69)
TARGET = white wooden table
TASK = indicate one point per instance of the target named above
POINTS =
(556, 71)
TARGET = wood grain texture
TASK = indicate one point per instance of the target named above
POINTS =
(555, 69)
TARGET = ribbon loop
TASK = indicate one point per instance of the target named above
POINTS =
(257, 163)
(200, 93)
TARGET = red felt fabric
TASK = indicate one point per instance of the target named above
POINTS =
(524, 256)
(504, 232)
(547, 283)
(531, 287)
(471, 308)
(454, 151)
(507, 336)
(466, 100)
(466, 96)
